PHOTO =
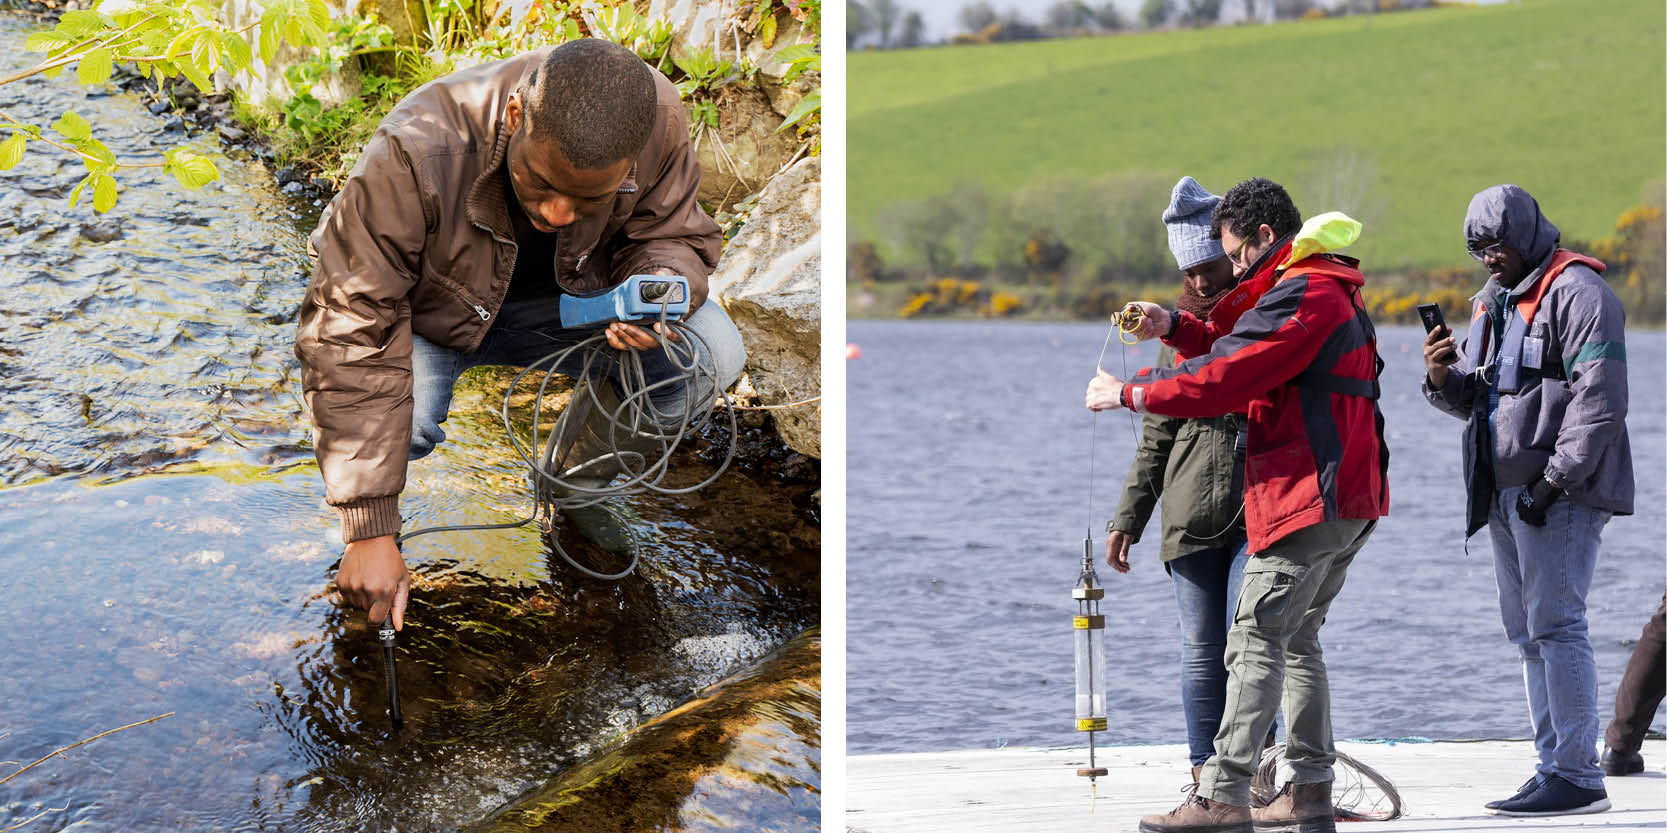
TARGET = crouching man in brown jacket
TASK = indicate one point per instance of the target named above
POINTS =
(482, 198)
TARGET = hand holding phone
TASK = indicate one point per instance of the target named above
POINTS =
(1430, 314)
(1439, 348)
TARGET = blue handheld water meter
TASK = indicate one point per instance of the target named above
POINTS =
(639, 297)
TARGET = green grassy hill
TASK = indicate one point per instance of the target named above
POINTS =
(1397, 118)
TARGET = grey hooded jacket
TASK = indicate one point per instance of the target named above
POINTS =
(1567, 422)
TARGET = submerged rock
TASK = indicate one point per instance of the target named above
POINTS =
(102, 232)
(769, 281)
(742, 755)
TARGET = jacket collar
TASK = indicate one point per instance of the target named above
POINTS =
(488, 204)
(1268, 263)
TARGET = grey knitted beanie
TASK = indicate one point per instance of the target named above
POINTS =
(1188, 221)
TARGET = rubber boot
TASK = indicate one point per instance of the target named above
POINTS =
(596, 447)
(1298, 808)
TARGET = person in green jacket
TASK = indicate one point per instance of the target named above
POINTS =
(1197, 467)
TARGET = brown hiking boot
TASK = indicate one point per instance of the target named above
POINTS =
(1298, 808)
(1199, 815)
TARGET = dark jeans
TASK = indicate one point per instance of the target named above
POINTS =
(1206, 588)
(1642, 686)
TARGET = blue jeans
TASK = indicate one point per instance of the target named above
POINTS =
(1206, 591)
(1543, 575)
(527, 331)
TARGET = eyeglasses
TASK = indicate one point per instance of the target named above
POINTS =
(1238, 250)
(1490, 250)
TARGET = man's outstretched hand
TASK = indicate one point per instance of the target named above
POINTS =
(1105, 392)
(373, 577)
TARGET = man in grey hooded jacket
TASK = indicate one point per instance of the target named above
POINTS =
(1541, 383)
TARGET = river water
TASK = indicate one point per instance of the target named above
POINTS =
(164, 547)
(969, 456)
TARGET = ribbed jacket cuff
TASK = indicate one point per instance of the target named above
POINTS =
(369, 517)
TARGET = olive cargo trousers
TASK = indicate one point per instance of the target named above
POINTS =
(1273, 650)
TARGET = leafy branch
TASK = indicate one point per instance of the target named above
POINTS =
(161, 40)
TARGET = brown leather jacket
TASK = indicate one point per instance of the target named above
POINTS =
(419, 240)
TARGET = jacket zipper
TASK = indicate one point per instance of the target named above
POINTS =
(481, 311)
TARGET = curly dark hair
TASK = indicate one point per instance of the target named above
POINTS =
(595, 99)
(1251, 203)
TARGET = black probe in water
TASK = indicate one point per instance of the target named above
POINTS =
(386, 635)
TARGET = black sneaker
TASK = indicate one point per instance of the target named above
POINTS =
(1555, 797)
(1621, 763)
(1527, 787)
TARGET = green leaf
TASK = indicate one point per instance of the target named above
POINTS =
(103, 159)
(196, 75)
(312, 35)
(767, 31)
(71, 126)
(45, 41)
(95, 67)
(53, 72)
(268, 39)
(205, 52)
(75, 195)
(292, 33)
(80, 24)
(319, 13)
(104, 192)
(795, 53)
(809, 104)
(181, 44)
(697, 63)
(11, 151)
(192, 171)
(237, 51)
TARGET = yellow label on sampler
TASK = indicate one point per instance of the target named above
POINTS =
(1091, 724)
(1088, 622)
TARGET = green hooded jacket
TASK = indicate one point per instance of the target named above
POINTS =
(1197, 467)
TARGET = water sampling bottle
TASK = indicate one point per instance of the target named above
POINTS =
(1089, 626)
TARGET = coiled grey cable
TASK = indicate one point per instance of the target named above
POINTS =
(636, 415)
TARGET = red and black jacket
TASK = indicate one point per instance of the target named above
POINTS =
(1303, 364)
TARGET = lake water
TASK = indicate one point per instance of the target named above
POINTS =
(967, 501)
(164, 547)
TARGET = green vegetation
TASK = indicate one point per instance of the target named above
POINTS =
(318, 132)
(1396, 119)
(459, 33)
(163, 41)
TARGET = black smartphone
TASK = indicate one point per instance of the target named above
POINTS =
(1430, 314)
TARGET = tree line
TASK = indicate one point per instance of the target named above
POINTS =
(887, 24)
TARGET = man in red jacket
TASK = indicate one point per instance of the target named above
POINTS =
(1303, 362)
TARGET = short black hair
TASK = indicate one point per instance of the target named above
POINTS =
(1251, 203)
(595, 98)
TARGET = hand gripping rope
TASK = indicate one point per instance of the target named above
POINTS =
(1126, 323)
